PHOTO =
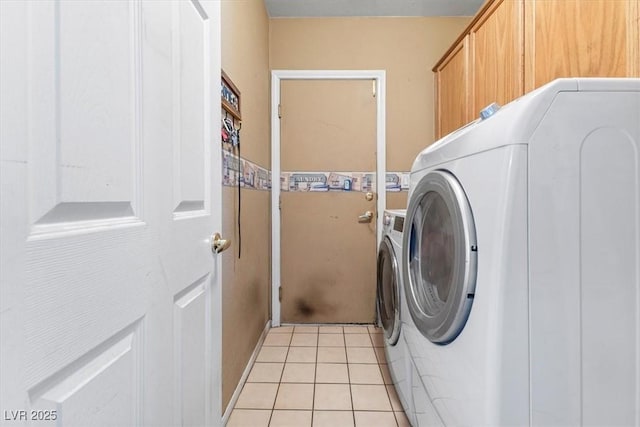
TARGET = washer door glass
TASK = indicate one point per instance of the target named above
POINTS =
(440, 257)
(388, 291)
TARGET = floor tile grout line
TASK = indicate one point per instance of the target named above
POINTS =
(315, 374)
(353, 409)
(380, 369)
(386, 389)
(396, 417)
(280, 382)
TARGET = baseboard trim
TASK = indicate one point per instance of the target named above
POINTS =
(245, 374)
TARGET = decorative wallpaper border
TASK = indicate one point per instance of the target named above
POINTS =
(254, 177)
(397, 181)
(251, 175)
(341, 181)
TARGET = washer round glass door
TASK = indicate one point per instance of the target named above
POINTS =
(440, 257)
(388, 291)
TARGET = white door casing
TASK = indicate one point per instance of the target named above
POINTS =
(379, 86)
(110, 295)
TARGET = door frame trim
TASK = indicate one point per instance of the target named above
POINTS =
(379, 77)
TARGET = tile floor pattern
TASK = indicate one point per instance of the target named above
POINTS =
(316, 376)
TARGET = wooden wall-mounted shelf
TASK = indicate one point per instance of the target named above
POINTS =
(230, 96)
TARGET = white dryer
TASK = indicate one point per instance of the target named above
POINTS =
(521, 263)
(390, 304)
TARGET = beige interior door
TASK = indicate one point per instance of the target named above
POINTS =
(328, 257)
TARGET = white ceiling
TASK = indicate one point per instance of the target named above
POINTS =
(325, 8)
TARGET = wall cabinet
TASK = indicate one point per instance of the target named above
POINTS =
(453, 88)
(515, 46)
(496, 58)
(577, 38)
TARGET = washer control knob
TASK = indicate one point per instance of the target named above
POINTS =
(386, 220)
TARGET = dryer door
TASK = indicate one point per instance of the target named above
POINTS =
(439, 257)
(388, 300)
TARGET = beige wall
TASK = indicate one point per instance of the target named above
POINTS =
(407, 48)
(252, 44)
(246, 281)
(397, 200)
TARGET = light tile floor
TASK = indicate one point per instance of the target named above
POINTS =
(316, 376)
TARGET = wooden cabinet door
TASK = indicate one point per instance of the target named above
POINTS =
(452, 90)
(496, 48)
(577, 38)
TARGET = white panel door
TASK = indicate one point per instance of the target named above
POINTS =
(110, 191)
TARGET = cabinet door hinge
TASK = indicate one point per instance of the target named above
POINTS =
(374, 87)
(279, 111)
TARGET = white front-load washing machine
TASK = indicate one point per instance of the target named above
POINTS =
(521, 263)
(390, 305)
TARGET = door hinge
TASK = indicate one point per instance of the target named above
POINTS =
(279, 111)
(279, 202)
(374, 87)
(280, 293)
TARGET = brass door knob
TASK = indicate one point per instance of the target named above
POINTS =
(365, 217)
(218, 244)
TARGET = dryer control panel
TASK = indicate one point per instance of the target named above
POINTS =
(398, 224)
